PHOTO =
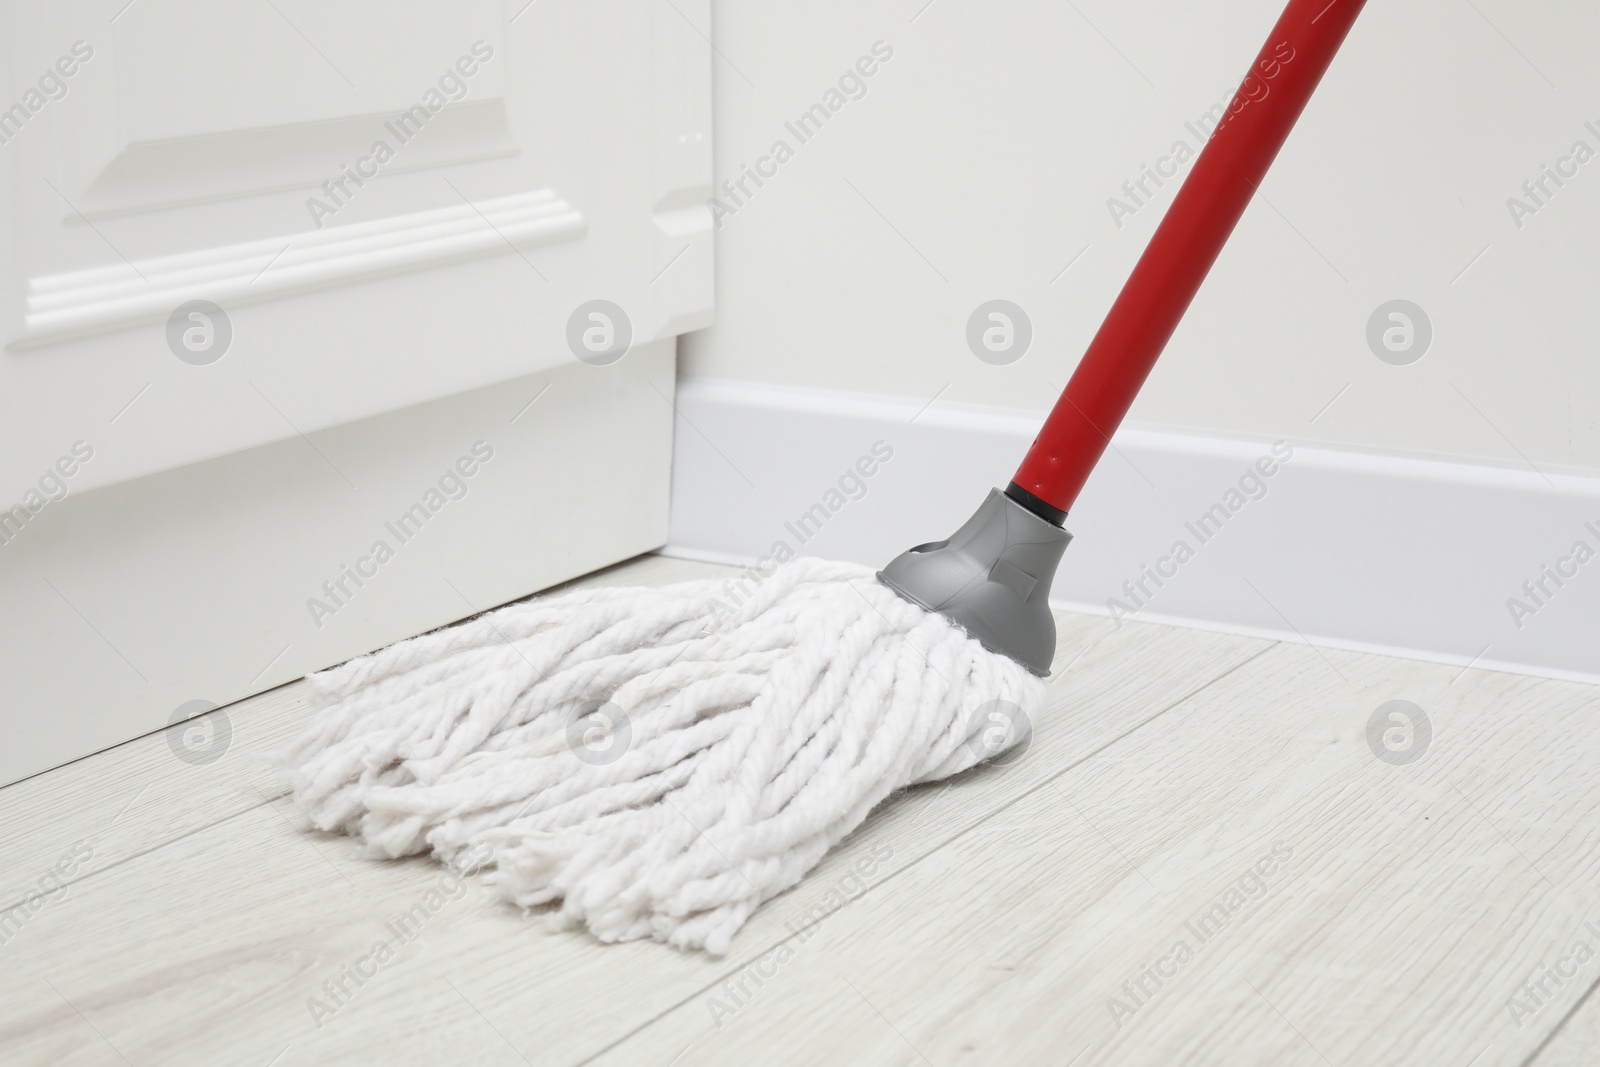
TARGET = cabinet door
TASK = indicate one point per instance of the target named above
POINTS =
(240, 225)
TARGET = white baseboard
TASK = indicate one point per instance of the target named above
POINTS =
(1379, 552)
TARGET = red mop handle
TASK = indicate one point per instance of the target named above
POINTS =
(1186, 243)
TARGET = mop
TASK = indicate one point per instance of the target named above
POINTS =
(655, 763)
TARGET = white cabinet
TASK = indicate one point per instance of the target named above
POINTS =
(268, 268)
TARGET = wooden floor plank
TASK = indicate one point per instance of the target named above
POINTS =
(1404, 907)
(210, 949)
(100, 811)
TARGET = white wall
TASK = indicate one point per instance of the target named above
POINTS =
(979, 162)
(1427, 502)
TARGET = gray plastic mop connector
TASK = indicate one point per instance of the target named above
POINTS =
(992, 578)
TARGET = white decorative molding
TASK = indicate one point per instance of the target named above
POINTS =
(1405, 555)
(125, 294)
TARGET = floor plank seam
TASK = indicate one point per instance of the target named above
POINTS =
(1561, 1024)
(159, 846)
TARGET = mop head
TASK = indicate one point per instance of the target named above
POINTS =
(655, 762)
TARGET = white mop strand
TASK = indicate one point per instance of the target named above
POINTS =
(654, 763)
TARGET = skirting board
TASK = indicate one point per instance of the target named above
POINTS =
(1406, 555)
